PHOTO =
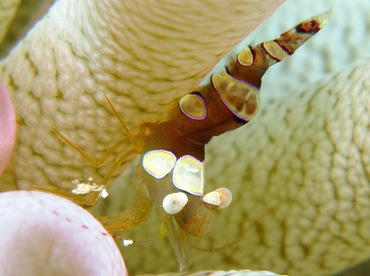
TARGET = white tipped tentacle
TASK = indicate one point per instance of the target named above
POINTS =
(225, 197)
(174, 203)
(218, 199)
(212, 198)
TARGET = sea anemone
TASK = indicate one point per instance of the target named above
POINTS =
(304, 157)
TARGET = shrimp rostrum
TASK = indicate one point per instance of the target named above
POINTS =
(170, 174)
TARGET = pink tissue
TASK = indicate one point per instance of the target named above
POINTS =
(43, 234)
(7, 128)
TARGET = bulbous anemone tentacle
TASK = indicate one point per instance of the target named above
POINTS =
(64, 238)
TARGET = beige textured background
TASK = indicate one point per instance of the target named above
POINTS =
(307, 152)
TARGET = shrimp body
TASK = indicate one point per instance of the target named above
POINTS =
(228, 101)
(170, 175)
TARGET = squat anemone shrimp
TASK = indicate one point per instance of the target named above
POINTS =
(170, 174)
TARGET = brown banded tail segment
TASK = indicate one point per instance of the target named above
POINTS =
(230, 99)
(241, 98)
(238, 86)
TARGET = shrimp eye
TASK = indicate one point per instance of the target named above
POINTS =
(188, 175)
(174, 203)
(193, 106)
(158, 163)
(219, 199)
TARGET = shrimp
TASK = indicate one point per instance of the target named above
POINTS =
(170, 175)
